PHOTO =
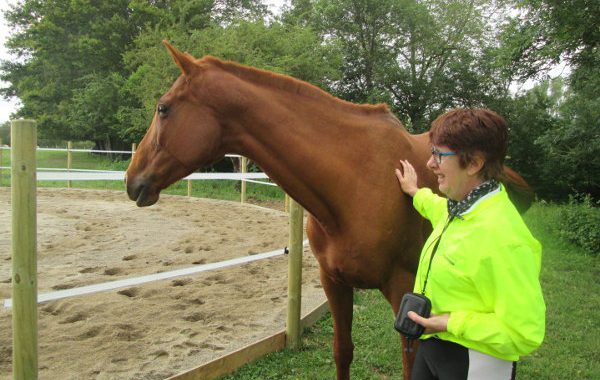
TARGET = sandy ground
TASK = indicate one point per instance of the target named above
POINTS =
(155, 330)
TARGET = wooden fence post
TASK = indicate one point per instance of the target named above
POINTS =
(24, 264)
(293, 326)
(244, 169)
(69, 161)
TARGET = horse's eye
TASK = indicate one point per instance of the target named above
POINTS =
(162, 110)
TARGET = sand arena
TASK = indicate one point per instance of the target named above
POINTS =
(155, 330)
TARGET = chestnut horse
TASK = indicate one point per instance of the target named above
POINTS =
(335, 158)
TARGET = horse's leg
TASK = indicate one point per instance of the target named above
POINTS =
(340, 300)
(400, 283)
(409, 353)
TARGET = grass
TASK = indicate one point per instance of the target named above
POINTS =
(377, 353)
(569, 278)
(571, 349)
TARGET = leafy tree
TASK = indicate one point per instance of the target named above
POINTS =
(298, 13)
(291, 50)
(70, 54)
(573, 148)
(92, 113)
(58, 44)
(546, 31)
(555, 139)
(542, 34)
(5, 133)
(530, 116)
(420, 57)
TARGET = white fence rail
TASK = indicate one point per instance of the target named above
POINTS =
(70, 174)
(40, 149)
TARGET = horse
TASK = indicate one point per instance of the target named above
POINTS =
(335, 158)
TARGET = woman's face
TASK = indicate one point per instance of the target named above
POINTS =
(453, 181)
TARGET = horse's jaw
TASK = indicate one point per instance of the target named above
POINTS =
(147, 177)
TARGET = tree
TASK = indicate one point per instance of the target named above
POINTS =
(542, 34)
(530, 116)
(58, 45)
(546, 31)
(572, 148)
(5, 133)
(70, 55)
(92, 114)
(419, 57)
(291, 50)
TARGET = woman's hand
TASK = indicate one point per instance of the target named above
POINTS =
(408, 179)
(434, 324)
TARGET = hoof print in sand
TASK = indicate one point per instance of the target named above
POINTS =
(130, 292)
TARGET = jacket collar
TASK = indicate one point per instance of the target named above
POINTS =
(483, 191)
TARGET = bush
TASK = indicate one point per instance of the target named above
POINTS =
(580, 223)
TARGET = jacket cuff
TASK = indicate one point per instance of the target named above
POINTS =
(456, 323)
(420, 196)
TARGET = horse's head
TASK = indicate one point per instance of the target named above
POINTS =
(184, 135)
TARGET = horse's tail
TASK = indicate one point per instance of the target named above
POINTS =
(519, 192)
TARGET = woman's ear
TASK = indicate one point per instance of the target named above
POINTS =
(475, 164)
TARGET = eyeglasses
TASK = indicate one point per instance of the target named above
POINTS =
(438, 155)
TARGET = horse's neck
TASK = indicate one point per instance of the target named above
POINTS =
(313, 151)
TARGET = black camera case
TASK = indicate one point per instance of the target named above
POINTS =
(420, 305)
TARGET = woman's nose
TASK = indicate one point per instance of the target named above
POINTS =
(431, 163)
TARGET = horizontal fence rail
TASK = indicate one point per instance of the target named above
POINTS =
(126, 282)
(70, 174)
(59, 174)
(93, 175)
(40, 149)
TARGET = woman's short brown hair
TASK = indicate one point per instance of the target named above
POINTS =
(468, 131)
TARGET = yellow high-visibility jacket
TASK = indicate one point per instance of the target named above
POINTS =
(485, 274)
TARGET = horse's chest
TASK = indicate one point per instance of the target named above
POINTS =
(351, 267)
(347, 260)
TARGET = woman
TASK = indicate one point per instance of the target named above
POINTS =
(483, 279)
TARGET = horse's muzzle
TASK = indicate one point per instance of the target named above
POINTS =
(142, 193)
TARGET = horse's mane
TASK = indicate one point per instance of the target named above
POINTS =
(292, 85)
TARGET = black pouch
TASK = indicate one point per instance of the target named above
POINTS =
(420, 305)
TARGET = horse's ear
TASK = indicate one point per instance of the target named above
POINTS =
(185, 61)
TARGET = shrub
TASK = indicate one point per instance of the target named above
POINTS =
(580, 223)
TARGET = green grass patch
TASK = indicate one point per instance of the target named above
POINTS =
(570, 350)
(79, 160)
(377, 353)
(572, 292)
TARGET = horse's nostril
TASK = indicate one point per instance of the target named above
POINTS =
(133, 191)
